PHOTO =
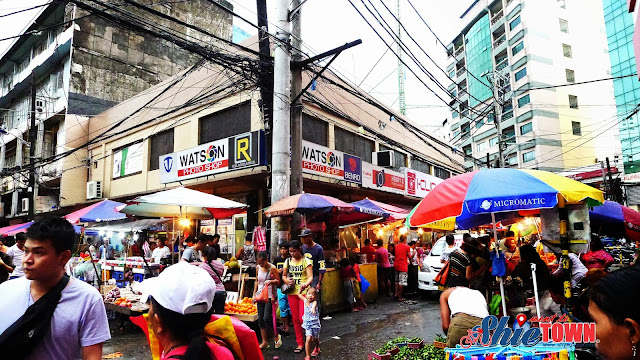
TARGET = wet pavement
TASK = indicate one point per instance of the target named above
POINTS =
(344, 336)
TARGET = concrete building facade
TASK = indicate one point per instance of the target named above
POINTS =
(80, 65)
(539, 48)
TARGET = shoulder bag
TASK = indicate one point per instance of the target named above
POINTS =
(443, 275)
(24, 335)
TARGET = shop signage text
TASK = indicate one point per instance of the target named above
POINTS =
(377, 177)
(631, 178)
(420, 184)
(127, 161)
(215, 157)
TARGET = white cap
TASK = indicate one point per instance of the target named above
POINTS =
(182, 288)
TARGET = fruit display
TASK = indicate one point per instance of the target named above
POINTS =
(124, 302)
(245, 307)
(232, 263)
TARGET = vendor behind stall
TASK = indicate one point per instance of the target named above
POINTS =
(192, 254)
(369, 251)
(161, 251)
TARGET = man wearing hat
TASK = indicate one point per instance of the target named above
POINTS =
(315, 253)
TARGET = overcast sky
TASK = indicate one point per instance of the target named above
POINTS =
(327, 24)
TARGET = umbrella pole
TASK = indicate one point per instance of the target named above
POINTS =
(535, 288)
(495, 236)
(564, 248)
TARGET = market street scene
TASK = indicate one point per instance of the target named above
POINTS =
(319, 179)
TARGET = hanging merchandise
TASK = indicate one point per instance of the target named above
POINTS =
(260, 238)
(498, 267)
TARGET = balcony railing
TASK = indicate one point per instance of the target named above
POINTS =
(497, 17)
(460, 72)
(503, 64)
(506, 116)
(499, 40)
(459, 51)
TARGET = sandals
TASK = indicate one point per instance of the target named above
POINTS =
(316, 352)
(266, 346)
(278, 341)
(298, 350)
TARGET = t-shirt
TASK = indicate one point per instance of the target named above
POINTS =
(4, 274)
(216, 273)
(458, 262)
(16, 257)
(578, 270)
(356, 272)
(468, 301)
(160, 253)
(347, 272)
(382, 257)
(316, 255)
(79, 319)
(191, 255)
(401, 262)
(369, 251)
(297, 269)
(446, 252)
(279, 263)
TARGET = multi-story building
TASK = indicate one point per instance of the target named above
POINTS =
(79, 64)
(534, 50)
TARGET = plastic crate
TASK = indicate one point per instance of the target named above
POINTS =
(118, 275)
(121, 284)
(138, 277)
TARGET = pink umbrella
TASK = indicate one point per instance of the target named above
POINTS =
(14, 229)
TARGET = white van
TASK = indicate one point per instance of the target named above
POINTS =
(431, 265)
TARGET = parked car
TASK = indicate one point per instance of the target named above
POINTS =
(432, 263)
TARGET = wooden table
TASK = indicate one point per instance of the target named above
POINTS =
(124, 310)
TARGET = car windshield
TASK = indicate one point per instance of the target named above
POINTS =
(438, 248)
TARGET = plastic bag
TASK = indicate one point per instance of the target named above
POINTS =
(499, 266)
(364, 284)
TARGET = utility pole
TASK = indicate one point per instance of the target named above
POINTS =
(32, 150)
(281, 131)
(296, 109)
(497, 110)
(401, 97)
(610, 187)
(604, 181)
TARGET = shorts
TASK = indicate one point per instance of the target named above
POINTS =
(283, 303)
(348, 291)
(313, 332)
(401, 278)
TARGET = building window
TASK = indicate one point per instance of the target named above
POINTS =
(512, 160)
(455, 114)
(575, 126)
(315, 130)
(521, 73)
(467, 150)
(452, 73)
(481, 146)
(420, 165)
(526, 128)
(571, 77)
(524, 100)
(529, 156)
(566, 50)
(493, 141)
(479, 123)
(564, 26)
(441, 173)
(231, 121)
(573, 101)
(161, 144)
(351, 143)
(516, 49)
(514, 23)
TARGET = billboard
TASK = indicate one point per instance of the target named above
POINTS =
(419, 184)
(379, 178)
(320, 160)
(127, 160)
(236, 152)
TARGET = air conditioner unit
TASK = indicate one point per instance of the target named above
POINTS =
(94, 190)
(383, 158)
(25, 205)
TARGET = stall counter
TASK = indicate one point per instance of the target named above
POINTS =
(333, 293)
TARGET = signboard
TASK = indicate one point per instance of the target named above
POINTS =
(591, 174)
(631, 178)
(128, 160)
(320, 160)
(215, 157)
(419, 184)
(379, 178)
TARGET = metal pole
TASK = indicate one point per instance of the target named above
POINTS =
(535, 288)
(32, 150)
(604, 180)
(564, 247)
(281, 145)
(495, 236)
(497, 109)
(401, 96)
(296, 112)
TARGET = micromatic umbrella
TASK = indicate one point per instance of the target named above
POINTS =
(613, 213)
(308, 204)
(500, 190)
(491, 191)
(105, 210)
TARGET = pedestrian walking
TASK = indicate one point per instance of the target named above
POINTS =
(45, 314)
(267, 275)
(301, 270)
(283, 302)
(315, 253)
(382, 257)
(357, 283)
(311, 323)
(401, 265)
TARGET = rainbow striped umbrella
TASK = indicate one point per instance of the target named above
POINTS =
(481, 193)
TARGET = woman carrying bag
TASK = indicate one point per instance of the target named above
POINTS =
(264, 295)
(298, 273)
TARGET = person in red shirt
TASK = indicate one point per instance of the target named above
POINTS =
(368, 250)
(401, 266)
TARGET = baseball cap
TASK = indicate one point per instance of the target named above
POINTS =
(305, 232)
(182, 288)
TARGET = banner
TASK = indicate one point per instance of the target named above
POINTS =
(236, 152)
(379, 178)
(420, 184)
(320, 160)
(128, 160)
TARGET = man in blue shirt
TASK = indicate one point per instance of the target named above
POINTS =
(315, 253)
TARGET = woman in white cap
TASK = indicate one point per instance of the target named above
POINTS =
(180, 301)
